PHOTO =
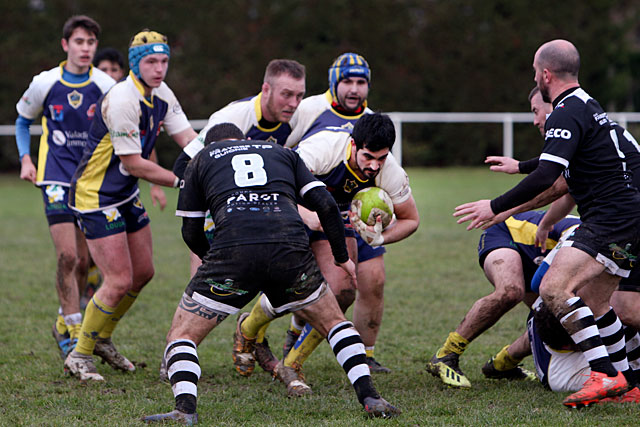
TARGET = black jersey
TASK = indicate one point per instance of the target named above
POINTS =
(580, 136)
(251, 188)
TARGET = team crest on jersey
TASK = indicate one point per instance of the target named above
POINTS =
(111, 214)
(350, 185)
(55, 193)
(91, 111)
(272, 139)
(57, 112)
(75, 99)
(137, 203)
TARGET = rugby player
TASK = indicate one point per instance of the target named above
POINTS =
(104, 194)
(66, 97)
(581, 142)
(260, 244)
(346, 164)
(327, 116)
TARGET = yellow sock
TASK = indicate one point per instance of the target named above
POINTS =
(504, 361)
(295, 327)
(255, 322)
(297, 356)
(61, 327)
(74, 330)
(261, 332)
(96, 316)
(121, 309)
(369, 351)
(455, 343)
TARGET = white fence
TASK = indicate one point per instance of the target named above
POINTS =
(507, 120)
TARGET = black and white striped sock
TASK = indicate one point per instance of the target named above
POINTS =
(578, 320)
(612, 336)
(632, 338)
(348, 348)
(183, 369)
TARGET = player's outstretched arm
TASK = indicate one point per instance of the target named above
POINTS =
(558, 210)
(184, 137)
(557, 190)
(406, 223)
(140, 167)
(503, 164)
(158, 198)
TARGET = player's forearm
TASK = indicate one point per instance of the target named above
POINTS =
(149, 171)
(325, 206)
(193, 235)
(558, 210)
(399, 230)
(23, 136)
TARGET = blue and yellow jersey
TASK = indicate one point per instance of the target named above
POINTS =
(327, 155)
(67, 112)
(246, 114)
(315, 114)
(125, 123)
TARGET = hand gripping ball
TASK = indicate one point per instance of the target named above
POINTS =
(372, 202)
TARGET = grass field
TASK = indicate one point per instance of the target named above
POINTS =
(432, 279)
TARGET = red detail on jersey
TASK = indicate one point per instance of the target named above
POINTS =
(91, 111)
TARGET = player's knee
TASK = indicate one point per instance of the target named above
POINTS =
(82, 263)
(66, 262)
(142, 277)
(511, 295)
(345, 298)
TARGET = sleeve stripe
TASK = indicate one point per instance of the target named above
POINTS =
(554, 159)
(190, 214)
(311, 185)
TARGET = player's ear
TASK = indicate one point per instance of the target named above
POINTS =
(265, 88)
(65, 44)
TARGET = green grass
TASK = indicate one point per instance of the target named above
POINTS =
(432, 280)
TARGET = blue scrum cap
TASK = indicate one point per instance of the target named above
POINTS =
(344, 66)
(146, 42)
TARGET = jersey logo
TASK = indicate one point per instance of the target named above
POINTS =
(55, 193)
(58, 137)
(91, 111)
(272, 139)
(558, 133)
(350, 185)
(111, 214)
(75, 99)
(57, 112)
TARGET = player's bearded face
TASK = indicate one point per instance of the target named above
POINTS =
(369, 162)
(283, 97)
(352, 92)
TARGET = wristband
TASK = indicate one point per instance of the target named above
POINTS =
(176, 182)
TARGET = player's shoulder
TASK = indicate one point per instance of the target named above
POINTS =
(165, 93)
(103, 80)
(315, 103)
(236, 112)
(46, 78)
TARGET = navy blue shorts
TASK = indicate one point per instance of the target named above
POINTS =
(128, 217)
(497, 237)
(56, 204)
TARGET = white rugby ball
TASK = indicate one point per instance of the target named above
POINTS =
(372, 202)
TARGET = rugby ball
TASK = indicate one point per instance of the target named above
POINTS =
(372, 202)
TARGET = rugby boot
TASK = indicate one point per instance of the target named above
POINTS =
(108, 353)
(597, 387)
(265, 357)
(632, 396)
(175, 415)
(293, 379)
(447, 369)
(64, 341)
(377, 407)
(82, 366)
(243, 350)
(375, 366)
(289, 341)
(518, 373)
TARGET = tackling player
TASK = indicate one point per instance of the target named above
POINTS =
(345, 163)
(581, 142)
(66, 97)
(260, 244)
(104, 194)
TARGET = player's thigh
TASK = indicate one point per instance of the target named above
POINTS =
(112, 256)
(571, 270)
(324, 314)
(503, 268)
(335, 276)
(371, 277)
(626, 304)
(63, 235)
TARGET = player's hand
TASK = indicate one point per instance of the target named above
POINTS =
(158, 198)
(350, 268)
(27, 169)
(501, 217)
(503, 164)
(370, 234)
(541, 237)
(478, 213)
